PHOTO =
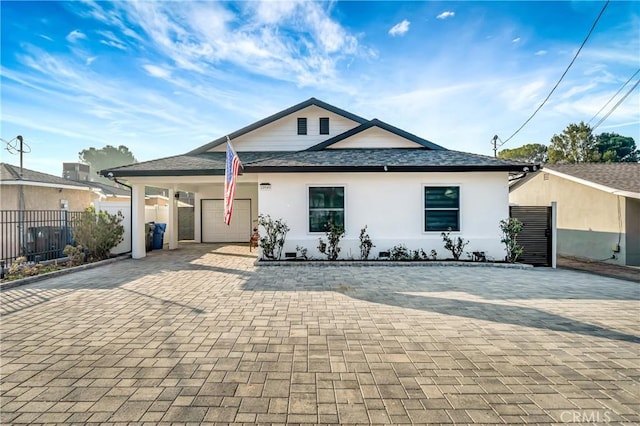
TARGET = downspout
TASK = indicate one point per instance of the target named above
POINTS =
(130, 213)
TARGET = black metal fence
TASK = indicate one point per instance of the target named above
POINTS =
(36, 234)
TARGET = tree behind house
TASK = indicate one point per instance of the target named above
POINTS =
(529, 153)
(104, 158)
(576, 144)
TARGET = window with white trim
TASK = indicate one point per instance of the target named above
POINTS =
(326, 204)
(441, 208)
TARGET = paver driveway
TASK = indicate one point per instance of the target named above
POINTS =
(202, 335)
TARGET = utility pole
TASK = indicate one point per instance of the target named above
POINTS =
(495, 145)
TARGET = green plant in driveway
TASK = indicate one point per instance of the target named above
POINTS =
(455, 246)
(330, 248)
(365, 244)
(510, 229)
(98, 232)
(275, 234)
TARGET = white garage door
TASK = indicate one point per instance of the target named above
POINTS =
(214, 230)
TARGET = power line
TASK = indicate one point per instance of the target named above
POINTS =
(615, 106)
(613, 97)
(563, 74)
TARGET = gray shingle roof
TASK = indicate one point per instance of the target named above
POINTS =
(348, 160)
(620, 176)
(420, 159)
(206, 163)
(10, 172)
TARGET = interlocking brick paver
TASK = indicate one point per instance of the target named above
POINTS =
(201, 334)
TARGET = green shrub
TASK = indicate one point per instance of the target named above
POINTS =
(98, 232)
(330, 248)
(275, 234)
(510, 229)
(75, 254)
(399, 252)
(365, 244)
(456, 247)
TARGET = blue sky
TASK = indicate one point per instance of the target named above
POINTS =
(165, 77)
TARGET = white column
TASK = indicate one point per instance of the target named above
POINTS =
(172, 226)
(197, 222)
(138, 249)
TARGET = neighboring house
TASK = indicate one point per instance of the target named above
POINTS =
(598, 204)
(42, 191)
(312, 163)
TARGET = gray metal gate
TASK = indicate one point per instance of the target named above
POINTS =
(535, 237)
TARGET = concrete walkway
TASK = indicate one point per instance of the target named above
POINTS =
(202, 335)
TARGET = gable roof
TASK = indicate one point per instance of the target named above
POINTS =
(309, 102)
(10, 173)
(616, 178)
(375, 123)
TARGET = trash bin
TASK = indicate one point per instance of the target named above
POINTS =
(149, 227)
(158, 235)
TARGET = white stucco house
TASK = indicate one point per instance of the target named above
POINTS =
(313, 162)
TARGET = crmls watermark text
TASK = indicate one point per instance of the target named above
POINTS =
(585, 416)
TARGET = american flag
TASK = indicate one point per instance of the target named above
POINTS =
(230, 178)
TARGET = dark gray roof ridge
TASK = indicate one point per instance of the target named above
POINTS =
(376, 123)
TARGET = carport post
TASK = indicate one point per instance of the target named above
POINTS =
(172, 226)
(138, 248)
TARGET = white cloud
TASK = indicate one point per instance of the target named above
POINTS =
(446, 14)
(156, 71)
(540, 53)
(400, 28)
(516, 40)
(112, 40)
(75, 35)
(90, 60)
(46, 37)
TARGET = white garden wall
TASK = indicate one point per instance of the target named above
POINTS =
(392, 205)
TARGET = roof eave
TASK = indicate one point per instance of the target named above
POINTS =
(377, 169)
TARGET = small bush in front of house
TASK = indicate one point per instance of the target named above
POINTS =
(98, 232)
(302, 253)
(399, 252)
(419, 255)
(275, 234)
(330, 248)
(433, 255)
(510, 228)
(365, 244)
(75, 254)
(455, 246)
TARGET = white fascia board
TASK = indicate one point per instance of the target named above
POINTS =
(594, 185)
(43, 184)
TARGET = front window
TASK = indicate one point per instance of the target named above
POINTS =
(326, 204)
(442, 208)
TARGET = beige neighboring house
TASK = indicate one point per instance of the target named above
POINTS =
(598, 208)
(42, 191)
